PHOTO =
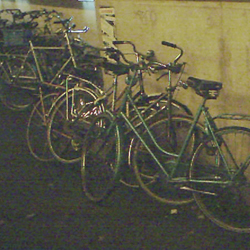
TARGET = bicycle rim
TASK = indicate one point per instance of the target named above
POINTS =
(157, 112)
(227, 206)
(102, 156)
(36, 133)
(69, 122)
(149, 175)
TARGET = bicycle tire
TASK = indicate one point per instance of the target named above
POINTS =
(66, 127)
(227, 206)
(128, 176)
(150, 177)
(17, 92)
(177, 107)
(36, 133)
(102, 157)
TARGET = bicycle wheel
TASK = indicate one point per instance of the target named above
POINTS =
(226, 205)
(18, 84)
(169, 136)
(36, 133)
(178, 108)
(156, 112)
(69, 121)
(102, 157)
(128, 175)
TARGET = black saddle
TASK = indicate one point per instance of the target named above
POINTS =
(205, 88)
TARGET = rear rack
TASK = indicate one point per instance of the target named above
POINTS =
(233, 116)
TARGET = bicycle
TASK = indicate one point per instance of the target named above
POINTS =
(163, 104)
(40, 115)
(22, 74)
(25, 85)
(73, 111)
(150, 109)
(32, 25)
(176, 160)
(74, 84)
(62, 111)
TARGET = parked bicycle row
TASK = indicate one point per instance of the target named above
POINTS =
(18, 27)
(134, 138)
(175, 158)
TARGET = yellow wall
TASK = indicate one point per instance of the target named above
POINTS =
(82, 16)
(214, 35)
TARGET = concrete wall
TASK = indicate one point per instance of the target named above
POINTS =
(214, 35)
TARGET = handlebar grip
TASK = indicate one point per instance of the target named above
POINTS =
(118, 42)
(110, 49)
(169, 44)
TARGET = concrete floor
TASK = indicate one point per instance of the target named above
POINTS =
(42, 207)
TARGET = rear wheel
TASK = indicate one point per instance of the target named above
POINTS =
(18, 87)
(102, 157)
(158, 110)
(226, 205)
(151, 178)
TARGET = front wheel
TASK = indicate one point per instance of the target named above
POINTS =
(69, 122)
(221, 177)
(36, 133)
(102, 157)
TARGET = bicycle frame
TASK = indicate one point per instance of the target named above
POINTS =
(140, 95)
(168, 94)
(32, 51)
(209, 130)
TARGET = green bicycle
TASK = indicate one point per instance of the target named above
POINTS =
(174, 161)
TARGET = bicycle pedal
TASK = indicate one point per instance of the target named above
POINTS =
(76, 145)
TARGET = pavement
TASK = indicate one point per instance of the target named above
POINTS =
(42, 207)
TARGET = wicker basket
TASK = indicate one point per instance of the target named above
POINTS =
(16, 37)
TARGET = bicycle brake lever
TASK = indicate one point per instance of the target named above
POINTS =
(164, 74)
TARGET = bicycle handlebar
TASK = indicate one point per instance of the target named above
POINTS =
(148, 56)
(169, 44)
(155, 65)
(68, 28)
(84, 30)
(115, 53)
(172, 45)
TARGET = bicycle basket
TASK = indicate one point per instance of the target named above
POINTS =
(51, 40)
(15, 37)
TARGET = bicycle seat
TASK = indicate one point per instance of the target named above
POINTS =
(205, 88)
